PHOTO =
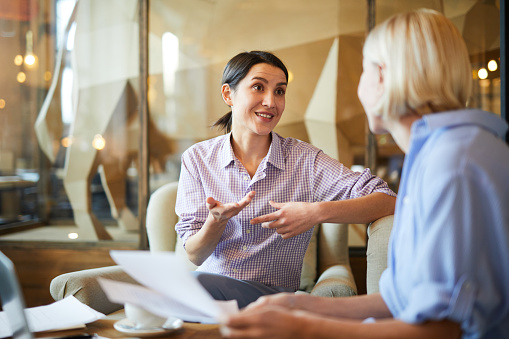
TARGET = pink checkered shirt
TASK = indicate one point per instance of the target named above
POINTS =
(292, 171)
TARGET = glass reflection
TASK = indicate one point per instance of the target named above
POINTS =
(70, 152)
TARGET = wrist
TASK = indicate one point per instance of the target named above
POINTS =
(321, 212)
(211, 220)
(304, 327)
(299, 302)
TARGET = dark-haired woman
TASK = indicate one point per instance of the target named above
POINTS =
(251, 244)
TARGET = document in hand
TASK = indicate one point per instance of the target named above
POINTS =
(169, 288)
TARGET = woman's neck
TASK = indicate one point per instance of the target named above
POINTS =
(250, 149)
(401, 129)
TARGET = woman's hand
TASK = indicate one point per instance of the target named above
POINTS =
(284, 300)
(290, 219)
(201, 245)
(268, 322)
(222, 212)
(294, 218)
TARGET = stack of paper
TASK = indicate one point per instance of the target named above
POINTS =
(63, 314)
(169, 288)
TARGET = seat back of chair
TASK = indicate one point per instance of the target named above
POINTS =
(379, 233)
(161, 218)
(332, 246)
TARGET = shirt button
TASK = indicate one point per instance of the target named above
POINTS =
(406, 200)
(246, 178)
(248, 231)
(244, 247)
(235, 270)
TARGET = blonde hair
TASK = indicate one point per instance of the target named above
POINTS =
(424, 61)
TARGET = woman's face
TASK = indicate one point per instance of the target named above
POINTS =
(258, 101)
(370, 91)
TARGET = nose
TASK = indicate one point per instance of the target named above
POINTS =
(269, 100)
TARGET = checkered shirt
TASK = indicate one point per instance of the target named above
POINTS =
(292, 171)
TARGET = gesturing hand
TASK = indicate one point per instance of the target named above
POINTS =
(290, 219)
(223, 212)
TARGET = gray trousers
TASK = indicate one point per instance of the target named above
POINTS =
(244, 291)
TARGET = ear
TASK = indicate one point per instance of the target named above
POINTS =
(226, 93)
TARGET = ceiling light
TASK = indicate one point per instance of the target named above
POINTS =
(482, 73)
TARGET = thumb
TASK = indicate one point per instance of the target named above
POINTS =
(211, 202)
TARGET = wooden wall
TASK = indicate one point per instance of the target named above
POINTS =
(37, 263)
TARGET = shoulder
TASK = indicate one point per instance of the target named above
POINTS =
(296, 146)
(465, 154)
(468, 146)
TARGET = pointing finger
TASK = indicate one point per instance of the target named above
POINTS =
(264, 218)
(276, 205)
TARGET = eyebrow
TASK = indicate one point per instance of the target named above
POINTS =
(265, 81)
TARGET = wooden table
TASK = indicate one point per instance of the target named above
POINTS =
(104, 328)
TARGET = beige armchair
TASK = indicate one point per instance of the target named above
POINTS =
(326, 270)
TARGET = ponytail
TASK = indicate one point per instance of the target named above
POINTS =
(224, 123)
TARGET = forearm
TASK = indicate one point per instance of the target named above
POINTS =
(357, 307)
(357, 211)
(277, 321)
(201, 245)
(318, 327)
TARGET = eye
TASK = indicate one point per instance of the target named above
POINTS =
(258, 87)
(280, 91)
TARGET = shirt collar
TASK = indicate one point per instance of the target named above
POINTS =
(226, 155)
(432, 122)
(274, 157)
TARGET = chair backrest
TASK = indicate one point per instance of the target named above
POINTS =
(13, 302)
(379, 233)
(161, 218)
(332, 246)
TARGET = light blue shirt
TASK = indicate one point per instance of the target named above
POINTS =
(292, 171)
(449, 249)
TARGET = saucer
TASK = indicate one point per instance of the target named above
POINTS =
(127, 327)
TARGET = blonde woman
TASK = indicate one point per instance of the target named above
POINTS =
(448, 265)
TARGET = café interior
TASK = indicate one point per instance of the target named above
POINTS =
(99, 99)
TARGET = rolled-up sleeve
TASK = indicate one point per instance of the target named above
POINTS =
(334, 181)
(190, 205)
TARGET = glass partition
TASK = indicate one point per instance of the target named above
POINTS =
(69, 95)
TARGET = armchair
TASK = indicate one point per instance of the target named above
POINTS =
(326, 270)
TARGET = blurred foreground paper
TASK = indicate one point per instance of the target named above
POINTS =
(169, 288)
(63, 314)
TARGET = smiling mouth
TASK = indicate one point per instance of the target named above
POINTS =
(263, 115)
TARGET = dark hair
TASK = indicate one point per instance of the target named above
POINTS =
(237, 68)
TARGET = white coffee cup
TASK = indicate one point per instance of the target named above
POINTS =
(142, 318)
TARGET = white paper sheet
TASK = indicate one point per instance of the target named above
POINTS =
(155, 302)
(171, 289)
(65, 313)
